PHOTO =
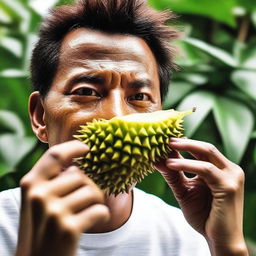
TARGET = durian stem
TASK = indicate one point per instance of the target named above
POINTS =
(188, 112)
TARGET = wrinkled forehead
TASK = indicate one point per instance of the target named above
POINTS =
(85, 44)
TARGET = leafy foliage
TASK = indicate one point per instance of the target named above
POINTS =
(218, 74)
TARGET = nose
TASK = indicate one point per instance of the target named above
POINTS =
(116, 105)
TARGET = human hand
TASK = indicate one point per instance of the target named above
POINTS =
(59, 202)
(212, 201)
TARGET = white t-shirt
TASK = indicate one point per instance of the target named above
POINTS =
(153, 229)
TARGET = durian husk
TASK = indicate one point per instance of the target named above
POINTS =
(123, 150)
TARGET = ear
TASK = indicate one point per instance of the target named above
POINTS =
(36, 113)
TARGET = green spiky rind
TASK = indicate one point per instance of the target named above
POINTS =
(123, 152)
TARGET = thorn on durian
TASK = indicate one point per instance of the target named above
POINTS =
(137, 141)
(128, 138)
(127, 148)
(136, 151)
(118, 144)
(119, 133)
(143, 132)
(146, 143)
(109, 139)
(153, 140)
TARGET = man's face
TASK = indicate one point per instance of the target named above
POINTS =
(100, 75)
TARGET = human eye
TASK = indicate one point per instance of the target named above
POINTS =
(85, 91)
(139, 97)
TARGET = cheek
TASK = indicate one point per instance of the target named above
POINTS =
(65, 124)
(64, 119)
(157, 100)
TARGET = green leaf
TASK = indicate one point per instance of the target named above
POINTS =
(4, 16)
(245, 81)
(12, 45)
(9, 11)
(19, 11)
(193, 78)
(8, 60)
(16, 91)
(206, 128)
(13, 73)
(238, 49)
(61, 2)
(11, 121)
(3, 169)
(42, 7)
(254, 18)
(190, 56)
(248, 57)
(239, 11)
(247, 4)
(251, 245)
(219, 37)
(177, 90)
(215, 52)
(156, 179)
(235, 123)
(13, 148)
(219, 10)
(254, 155)
(31, 40)
(249, 216)
(204, 102)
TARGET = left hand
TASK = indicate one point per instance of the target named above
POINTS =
(212, 201)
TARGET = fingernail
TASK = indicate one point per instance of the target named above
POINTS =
(175, 140)
(171, 161)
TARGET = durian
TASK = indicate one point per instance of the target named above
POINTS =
(124, 149)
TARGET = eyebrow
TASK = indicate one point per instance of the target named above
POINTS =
(87, 78)
(97, 79)
(138, 84)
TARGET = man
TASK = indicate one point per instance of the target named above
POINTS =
(100, 59)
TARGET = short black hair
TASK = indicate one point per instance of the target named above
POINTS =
(133, 17)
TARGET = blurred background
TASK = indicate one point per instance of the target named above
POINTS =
(217, 75)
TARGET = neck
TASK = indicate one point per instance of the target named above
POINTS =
(120, 208)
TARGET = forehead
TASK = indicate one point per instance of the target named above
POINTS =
(85, 44)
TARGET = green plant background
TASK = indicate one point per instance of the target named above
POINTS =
(218, 76)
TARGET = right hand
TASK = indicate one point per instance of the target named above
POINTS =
(59, 202)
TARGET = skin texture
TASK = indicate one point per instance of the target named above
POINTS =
(101, 76)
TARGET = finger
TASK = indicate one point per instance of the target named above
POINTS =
(86, 219)
(201, 150)
(58, 157)
(161, 165)
(69, 180)
(83, 198)
(176, 180)
(205, 170)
